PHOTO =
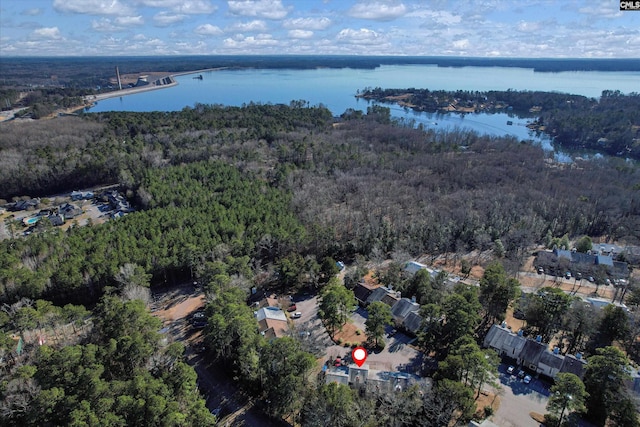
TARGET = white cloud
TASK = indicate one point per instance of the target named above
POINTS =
(165, 19)
(300, 34)
(461, 44)
(251, 42)
(190, 7)
(307, 23)
(267, 9)
(252, 26)
(362, 36)
(32, 12)
(47, 33)
(121, 23)
(604, 9)
(442, 17)
(104, 25)
(128, 21)
(378, 11)
(208, 30)
(528, 27)
(93, 7)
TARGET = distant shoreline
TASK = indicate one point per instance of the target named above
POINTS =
(91, 100)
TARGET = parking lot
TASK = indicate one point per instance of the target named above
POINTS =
(519, 399)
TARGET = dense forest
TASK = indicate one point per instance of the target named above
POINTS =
(360, 187)
(89, 72)
(264, 195)
(610, 125)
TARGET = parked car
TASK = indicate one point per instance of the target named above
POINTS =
(511, 370)
(591, 279)
(200, 324)
(521, 374)
(296, 315)
(291, 308)
(198, 315)
(527, 379)
(540, 270)
(567, 275)
(578, 276)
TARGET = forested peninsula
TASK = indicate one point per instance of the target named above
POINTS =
(610, 124)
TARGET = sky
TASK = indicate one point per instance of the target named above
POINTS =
(479, 28)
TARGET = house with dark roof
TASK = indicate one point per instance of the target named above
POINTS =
(413, 322)
(504, 341)
(24, 205)
(604, 260)
(373, 380)
(574, 365)
(385, 295)
(363, 291)
(69, 211)
(530, 354)
(402, 309)
(550, 362)
(584, 263)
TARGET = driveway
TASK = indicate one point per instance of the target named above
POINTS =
(519, 399)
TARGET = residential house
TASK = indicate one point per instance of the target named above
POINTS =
(504, 341)
(385, 295)
(363, 290)
(584, 263)
(574, 365)
(550, 363)
(69, 211)
(401, 312)
(56, 220)
(272, 322)
(372, 380)
(24, 205)
(413, 322)
(532, 354)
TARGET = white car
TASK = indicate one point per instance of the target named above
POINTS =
(296, 315)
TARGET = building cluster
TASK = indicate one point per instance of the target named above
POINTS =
(599, 263)
(370, 380)
(405, 311)
(533, 354)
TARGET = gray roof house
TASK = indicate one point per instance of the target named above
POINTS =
(550, 363)
(574, 365)
(413, 322)
(505, 342)
(402, 308)
(385, 295)
(531, 353)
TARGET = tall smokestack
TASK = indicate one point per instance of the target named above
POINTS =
(118, 76)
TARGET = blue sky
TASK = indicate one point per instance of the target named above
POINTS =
(484, 28)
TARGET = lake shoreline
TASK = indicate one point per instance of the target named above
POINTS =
(91, 100)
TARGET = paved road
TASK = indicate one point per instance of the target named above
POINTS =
(519, 399)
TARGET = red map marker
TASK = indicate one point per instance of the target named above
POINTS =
(359, 355)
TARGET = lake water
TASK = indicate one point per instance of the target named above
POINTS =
(336, 89)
